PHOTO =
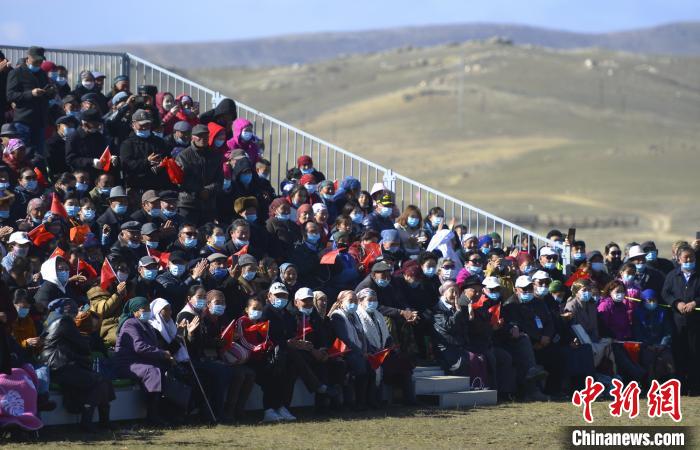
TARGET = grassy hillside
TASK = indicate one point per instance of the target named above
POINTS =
(539, 136)
(674, 38)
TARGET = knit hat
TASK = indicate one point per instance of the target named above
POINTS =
(556, 286)
(304, 160)
(390, 235)
(486, 239)
(307, 179)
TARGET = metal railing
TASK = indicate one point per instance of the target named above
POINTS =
(284, 142)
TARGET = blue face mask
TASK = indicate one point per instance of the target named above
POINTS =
(429, 272)
(143, 133)
(279, 303)
(306, 311)
(357, 218)
(4, 185)
(182, 142)
(220, 273)
(219, 142)
(62, 277)
(22, 312)
(413, 222)
(190, 242)
(282, 217)
(351, 307)
(227, 184)
(152, 244)
(494, 295)
(200, 303)
(579, 256)
(598, 266)
(177, 269)
(251, 218)
(385, 212)
(526, 297)
(618, 296)
(240, 242)
(219, 241)
(485, 250)
(372, 306)
(255, 314)
(586, 296)
(155, 212)
(246, 178)
(104, 191)
(249, 276)
(81, 187)
(150, 274)
(640, 267)
(246, 135)
(72, 210)
(158, 134)
(307, 171)
(168, 213)
(541, 291)
(651, 256)
(688, 266)
(474, 270)
(313, 238)
(382, 282)
(34, 69)
(5, 214)
(31, 185)
(327, 197)
(650, 306)
(550, 265)
(145, 316)
(436, 221)
(626, 278)
(134, 245)
(217, 310)
(119, 209)
(61, 81)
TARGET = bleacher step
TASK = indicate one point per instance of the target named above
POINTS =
(440, 384)
(468, 399)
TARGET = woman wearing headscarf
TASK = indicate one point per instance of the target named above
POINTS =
(137, 354)
(55, 273)
(14, 155)
(305, 213)
(168, 109)
(67, 354)
(348, 328)
(581, 310)
(397, 369)
(244, 139)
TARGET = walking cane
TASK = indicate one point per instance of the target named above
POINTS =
(196, 377)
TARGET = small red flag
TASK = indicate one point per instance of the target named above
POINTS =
(58, 251)
(376, 359)
(40, 178)
(578, 275)
(260, 327)
(106, 159)
(329, 258)
(227, 335)
(162, 257)
(307, 330)
(373, 250)
(175, 172)
(40, 235)
(107, 275)
(633, 349)
(79, 233)
(338, 348)
(242, 251)
(86, 269)
(57, 207)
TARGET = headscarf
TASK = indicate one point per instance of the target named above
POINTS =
(130, 308)
(12, 146)
(250, 147)
(48, 273)
(305, 208)
(167, 329)
(366, 292)
(318, 207)
(276, 203)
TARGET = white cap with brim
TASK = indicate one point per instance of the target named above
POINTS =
(491, 282)
(278, 288)
(547, 251)
(635, 251)
(303, 293)
(523, 281)
(541, 275)
(19, 237)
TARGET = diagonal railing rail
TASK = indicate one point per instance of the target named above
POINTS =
(284, 142)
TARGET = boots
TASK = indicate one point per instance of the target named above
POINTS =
(86, 419)
(408, 390)
(153, 410)
(103, 414)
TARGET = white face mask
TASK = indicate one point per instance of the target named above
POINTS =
(88, 84)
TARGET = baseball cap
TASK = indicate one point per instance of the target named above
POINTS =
(523, 281)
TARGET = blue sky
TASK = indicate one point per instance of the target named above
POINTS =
(55, 23)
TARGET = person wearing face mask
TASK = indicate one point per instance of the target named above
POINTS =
(381, 218)
(168, 109)
(145, 284)
(35, 210)
(25, 88)
(306, 165)
(215, 240)
(627, 275)
(392, 253)
(128, 245)
(578, 256)
(653, 327)
(653, 260)
(614, 315)
(138, 356)
(56, 162)
(348, 328)
(244, 283)
(15, 158)
(435, 221)
(109, 307)
(647, 277)
(249, 212)
(141, 154)
(203, 177)
(344, 272)
(283, 231)
(530, 314)
(110, 222)
(85, 146)
(681, 292)
(175, 280)
(20, 245)
(217, 274)
(306, 255)
(150, 211)
(87, 85)
(179, 138)
(55, 274)
(26, 190)
(549, 261)
(243, 138)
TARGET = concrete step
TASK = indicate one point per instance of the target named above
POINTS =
(437, 372)
(440, 384)
(468, 399)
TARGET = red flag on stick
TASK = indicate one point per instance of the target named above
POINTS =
(162, 257)
(40, 235)
(175, 172)
(338, 348)
(58, 251)
(86, 269)
(57, 207)
(227, 335)
(329, 258)
(376, 359)
(40, 178)
(107, 275)
(106, 159)
(260, 327)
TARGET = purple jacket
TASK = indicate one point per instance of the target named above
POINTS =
(615, 318)
(137, 343)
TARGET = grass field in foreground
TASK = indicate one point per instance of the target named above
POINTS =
(508, 425)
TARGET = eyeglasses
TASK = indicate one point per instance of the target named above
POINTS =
(551, 257)
(475, 261)
(616, 253)
(189, 233)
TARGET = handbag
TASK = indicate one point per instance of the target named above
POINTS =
(176, 391)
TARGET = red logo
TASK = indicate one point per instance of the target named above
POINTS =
(625, 399)
(665, 399)
(586, 396)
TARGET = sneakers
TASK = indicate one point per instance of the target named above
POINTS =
(271, 416)
(285, 414)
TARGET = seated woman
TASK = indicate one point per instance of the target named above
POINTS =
(397, 369)
(226, 386)
(613, 316)
(137, 354)
(348, 328)
(108, 307)
(67, 354)
(652, 326)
